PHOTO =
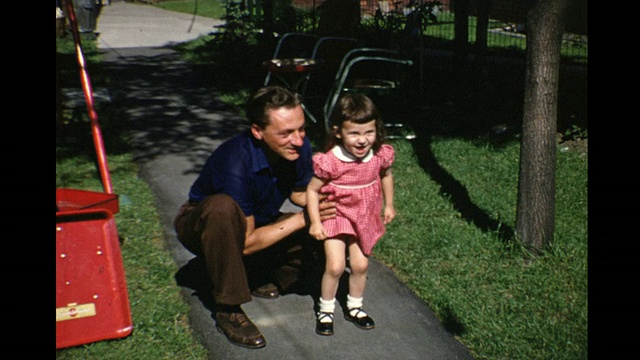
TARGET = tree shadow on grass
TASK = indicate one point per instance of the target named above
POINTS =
(457, 193)
(452, 322)
(484, 107)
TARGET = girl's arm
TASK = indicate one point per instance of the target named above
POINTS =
(313, 208)
(299, 198)
(387, 192)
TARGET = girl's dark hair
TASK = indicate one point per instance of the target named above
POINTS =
(357, 108)
(269, 98)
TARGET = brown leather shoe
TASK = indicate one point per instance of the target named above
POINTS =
(269, 291)
(237, 327)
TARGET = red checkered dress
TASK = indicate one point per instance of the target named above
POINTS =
(355, 185)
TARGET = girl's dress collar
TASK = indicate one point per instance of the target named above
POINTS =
(342, 154)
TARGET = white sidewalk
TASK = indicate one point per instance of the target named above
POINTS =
(137, 25)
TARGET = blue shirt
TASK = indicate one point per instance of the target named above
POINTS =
(239, 168)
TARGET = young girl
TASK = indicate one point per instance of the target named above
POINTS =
(355, 169)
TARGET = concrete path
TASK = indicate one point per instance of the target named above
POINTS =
(178, 120)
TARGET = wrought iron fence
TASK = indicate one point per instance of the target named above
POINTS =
(506, 28)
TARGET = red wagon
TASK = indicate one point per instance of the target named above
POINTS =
(92, 302)
(91, 292)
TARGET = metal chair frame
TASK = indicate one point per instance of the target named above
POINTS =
(327, 49)
(293, 45)
(297, 45)
(344, 75)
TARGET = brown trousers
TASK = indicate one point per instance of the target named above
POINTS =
(215, 229)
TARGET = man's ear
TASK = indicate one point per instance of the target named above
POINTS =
(256, 131)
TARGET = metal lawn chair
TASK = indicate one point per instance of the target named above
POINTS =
(380, 74)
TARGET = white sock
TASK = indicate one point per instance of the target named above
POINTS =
(327, 306)
(354, 303)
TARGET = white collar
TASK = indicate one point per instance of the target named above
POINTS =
(342, 154)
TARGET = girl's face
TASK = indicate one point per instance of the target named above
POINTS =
(357, 138)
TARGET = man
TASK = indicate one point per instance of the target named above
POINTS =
(236, 218)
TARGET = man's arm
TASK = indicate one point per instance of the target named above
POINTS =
(265, 236)
(287, 224)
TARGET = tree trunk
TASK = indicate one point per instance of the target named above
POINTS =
(461, 10)
(535, 215)
(482, 28)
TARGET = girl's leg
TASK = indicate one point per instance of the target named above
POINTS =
(359, 265)
(334, 267)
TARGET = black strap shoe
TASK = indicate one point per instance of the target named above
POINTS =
(324, 328)
(364, 322)
(237, 327)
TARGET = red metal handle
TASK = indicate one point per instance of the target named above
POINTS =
(88, 95)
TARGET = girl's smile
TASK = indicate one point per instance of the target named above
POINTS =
(358, 139)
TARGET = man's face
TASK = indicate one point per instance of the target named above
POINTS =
(285, 133)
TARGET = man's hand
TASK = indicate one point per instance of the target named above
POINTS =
(327, 207)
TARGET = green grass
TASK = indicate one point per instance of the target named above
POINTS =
(447, 244)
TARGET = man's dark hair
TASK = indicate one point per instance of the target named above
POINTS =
(270, 98)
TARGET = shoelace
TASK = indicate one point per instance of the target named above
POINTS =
(240, 318)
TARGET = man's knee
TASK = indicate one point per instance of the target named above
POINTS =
(221, 210)
(215, 216)
(220, 221)
(220, 203)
